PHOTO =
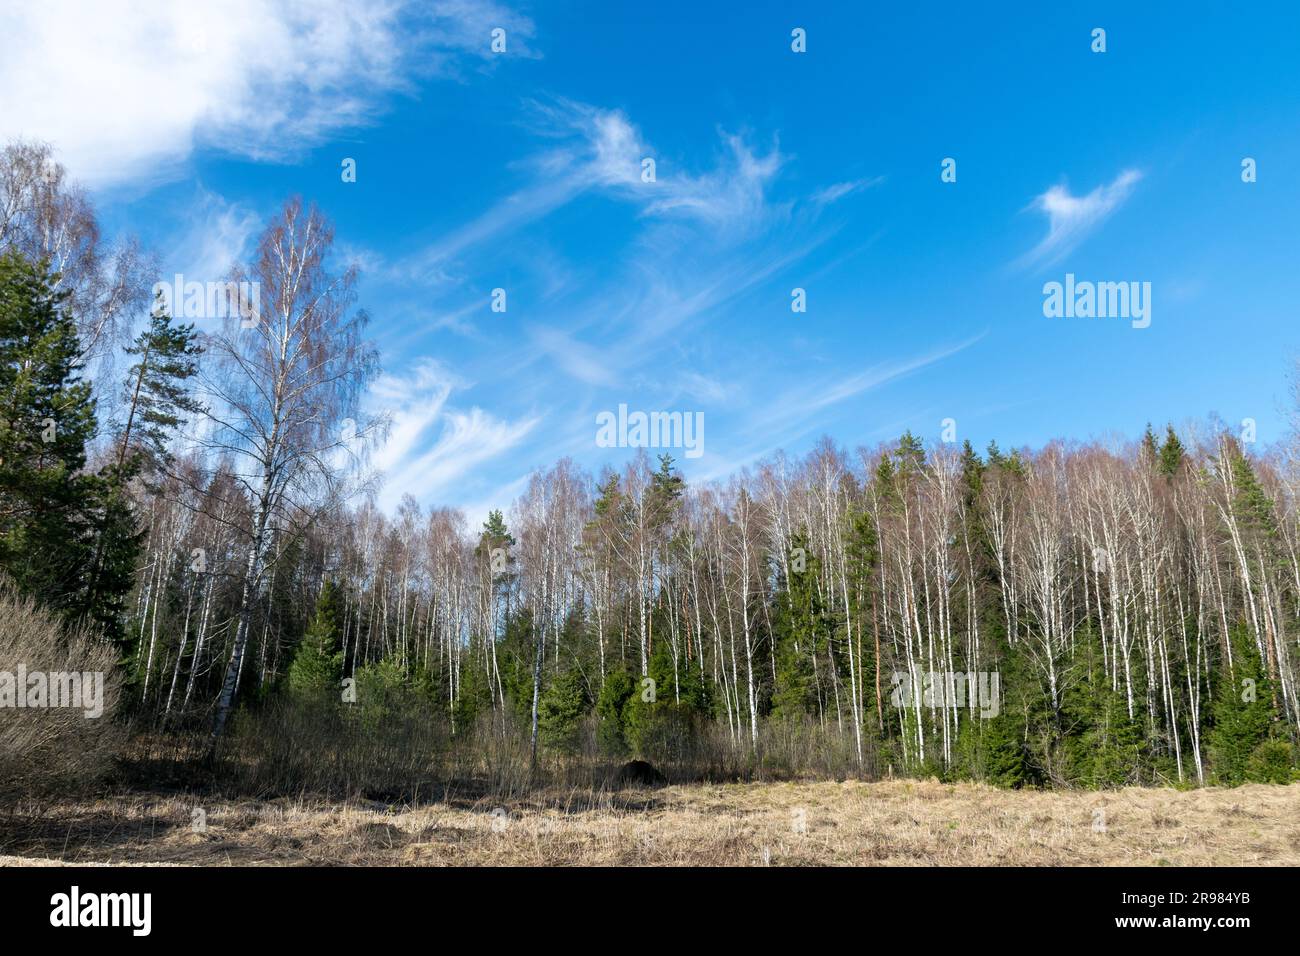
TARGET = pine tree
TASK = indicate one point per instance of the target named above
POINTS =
(156, 399)
(155, 396)
(910, 454)
(496, 537)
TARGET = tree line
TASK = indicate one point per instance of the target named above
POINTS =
(203, 500)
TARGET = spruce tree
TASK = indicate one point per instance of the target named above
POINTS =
(49, 508)
(562, 708)
(801, 630)
(610, 708)
(317, 667)
(1242, 712)
(1172, 454)
(1150, 448)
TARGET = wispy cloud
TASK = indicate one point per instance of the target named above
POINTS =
(577, 359)
(217, 236)
(1071, 219)
(702, 386)
(431, 444)
(601, 149)
(796, 407)
(612, 151)
(732, 197)
(837, 191)
(711, 236)
(128, 89)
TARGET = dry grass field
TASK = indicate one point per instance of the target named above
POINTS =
(896, 823)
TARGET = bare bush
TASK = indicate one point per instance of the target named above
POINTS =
(45, 747)
(295, 745)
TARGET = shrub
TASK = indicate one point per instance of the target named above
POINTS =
(1273, 761)
(378, 747)
(44, 748)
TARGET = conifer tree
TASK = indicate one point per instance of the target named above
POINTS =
(1172, 454)
(801, 631)
(317, 666)
(610, 708)
(156, 397)
(1150, 447)
(53, 515)
(1242, 712)
(561, 711)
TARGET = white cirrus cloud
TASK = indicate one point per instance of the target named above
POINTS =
(601, 149)
(127, 90)
(1071, 219)
(218, 235)
(837, 191)
(578, 359)
(432, 445)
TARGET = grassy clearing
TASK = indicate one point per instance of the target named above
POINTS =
(895, 823)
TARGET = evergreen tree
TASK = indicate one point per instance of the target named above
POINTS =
(1242, 712)
(317, 667)
(1172, 454)
(383, 695)
(113, 566)
(562, 708)
(910, 454)
(496, 539)
(972, 476)
(801, 631)
(155, 396)
(50, 510)
(1251, 503)
(1150, 448)
(1103, 747)
(474, 695)
(516, 651)
(667, 485)
(610, 706)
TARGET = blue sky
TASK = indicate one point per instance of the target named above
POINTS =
(775, 170)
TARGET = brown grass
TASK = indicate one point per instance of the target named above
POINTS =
(894, 823)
